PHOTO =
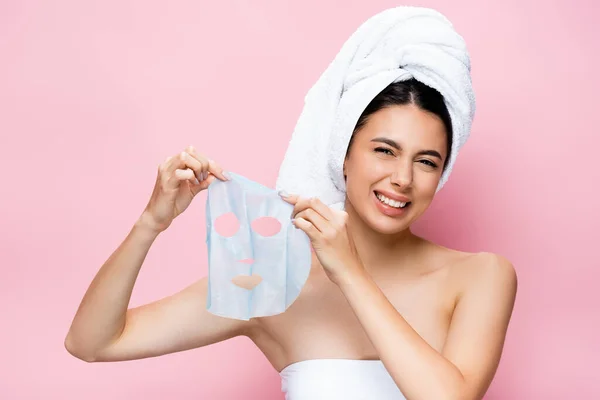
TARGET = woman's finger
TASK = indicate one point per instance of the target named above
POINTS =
(186, 175)
(302, 203)
(307, 227)
(217, 171)
(208, 164)
(199, 167)
(182, 161)
(200, 158)
(316, 204)
(299, 203)
(316, 219)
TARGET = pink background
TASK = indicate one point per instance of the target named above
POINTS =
(93, 95)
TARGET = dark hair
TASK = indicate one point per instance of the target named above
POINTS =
(414, 92)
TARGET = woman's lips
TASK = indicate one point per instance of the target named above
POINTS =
(387, 209)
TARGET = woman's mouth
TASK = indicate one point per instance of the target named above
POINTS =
(388, 206)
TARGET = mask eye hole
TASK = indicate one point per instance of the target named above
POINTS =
(266, 226)
(227, 224)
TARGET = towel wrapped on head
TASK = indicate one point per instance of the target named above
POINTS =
(395, 45)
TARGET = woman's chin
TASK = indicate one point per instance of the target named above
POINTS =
(381, 221)
(385, 225)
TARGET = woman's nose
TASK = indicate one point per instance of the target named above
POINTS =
(402, 176)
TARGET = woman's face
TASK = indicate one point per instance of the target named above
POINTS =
(399, 152)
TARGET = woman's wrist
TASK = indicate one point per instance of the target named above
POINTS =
(146, 227)
(352, 275)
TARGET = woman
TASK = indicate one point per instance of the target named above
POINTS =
(383, 312)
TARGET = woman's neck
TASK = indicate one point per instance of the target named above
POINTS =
(380, 251)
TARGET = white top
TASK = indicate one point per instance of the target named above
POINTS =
(343, 379)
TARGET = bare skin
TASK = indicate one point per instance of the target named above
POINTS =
(452, 299)
(321, 324)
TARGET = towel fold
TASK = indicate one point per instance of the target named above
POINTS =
(394, 45)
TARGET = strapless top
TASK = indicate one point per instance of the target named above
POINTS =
(343, 379)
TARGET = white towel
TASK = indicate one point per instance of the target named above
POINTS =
(395, 45)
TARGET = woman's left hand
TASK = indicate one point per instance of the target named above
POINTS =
(327, 231)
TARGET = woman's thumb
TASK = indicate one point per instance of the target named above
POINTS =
(206, 183)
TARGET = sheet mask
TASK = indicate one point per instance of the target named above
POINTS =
(282, 260)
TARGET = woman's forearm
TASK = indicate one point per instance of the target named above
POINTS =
(100, 317)
(419, 371)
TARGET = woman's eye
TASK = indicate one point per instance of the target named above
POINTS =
(429, 163)
(384, 150)
(388, 151)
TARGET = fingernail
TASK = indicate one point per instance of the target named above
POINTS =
(226, 175)
(283, 193)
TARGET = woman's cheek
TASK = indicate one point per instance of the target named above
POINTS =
(379, 170)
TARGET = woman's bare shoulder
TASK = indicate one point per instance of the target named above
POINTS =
(482, 268)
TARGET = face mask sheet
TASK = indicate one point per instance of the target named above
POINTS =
(281, 261)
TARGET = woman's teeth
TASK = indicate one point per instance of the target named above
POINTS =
(390, 202)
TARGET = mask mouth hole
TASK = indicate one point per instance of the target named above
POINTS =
(266, 226)
(247, 282)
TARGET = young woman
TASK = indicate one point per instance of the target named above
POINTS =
(384, 314)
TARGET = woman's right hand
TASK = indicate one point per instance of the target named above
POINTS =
(180, 178)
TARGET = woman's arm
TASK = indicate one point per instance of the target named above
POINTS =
(103, 328)
(470, 357)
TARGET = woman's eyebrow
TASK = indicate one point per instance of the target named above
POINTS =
(395, 145)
